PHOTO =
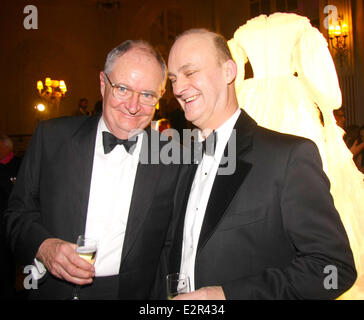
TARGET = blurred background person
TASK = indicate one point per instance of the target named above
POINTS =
(82, 108)
(9, 165)
(340, 118)
(97, 108)
(354, 139)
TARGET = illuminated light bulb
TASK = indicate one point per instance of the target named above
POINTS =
(40, 107)
(338, 30)
(62, 84)
(331, 31)
(345, 29)
(48, 82)
(40, 85)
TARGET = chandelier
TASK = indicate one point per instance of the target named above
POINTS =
(52, 92)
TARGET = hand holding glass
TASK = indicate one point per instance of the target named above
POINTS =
(177, 283)
(86, 249)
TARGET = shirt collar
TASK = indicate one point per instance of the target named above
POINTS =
(223, 134)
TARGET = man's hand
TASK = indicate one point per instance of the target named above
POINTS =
(207, 293)
(62, 261)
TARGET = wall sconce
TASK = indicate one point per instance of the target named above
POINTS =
(338, 34)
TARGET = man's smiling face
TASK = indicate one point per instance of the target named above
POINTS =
(197, 79)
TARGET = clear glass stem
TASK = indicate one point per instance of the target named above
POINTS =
(76, 290)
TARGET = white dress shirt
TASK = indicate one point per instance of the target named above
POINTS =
(199, 196)
(111, 189)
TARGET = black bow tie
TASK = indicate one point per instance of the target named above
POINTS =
(208, 146)
(110, 141)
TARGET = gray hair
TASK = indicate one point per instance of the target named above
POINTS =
(127, 45)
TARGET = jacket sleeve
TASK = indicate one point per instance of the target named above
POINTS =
(22, 218)
(323, 266)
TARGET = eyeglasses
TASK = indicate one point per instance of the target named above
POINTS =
(122, 92)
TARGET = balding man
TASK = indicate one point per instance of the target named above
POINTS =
(270, 229)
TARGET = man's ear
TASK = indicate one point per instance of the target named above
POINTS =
(230, 70)
(102, 83)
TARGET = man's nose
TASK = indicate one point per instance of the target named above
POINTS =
(133, 103)
(179, 87)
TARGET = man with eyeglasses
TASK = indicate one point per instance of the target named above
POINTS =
(83, 175)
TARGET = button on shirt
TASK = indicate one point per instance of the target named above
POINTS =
(199, 196)
(111, 189)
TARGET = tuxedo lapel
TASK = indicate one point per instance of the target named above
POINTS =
(146, 179)
(226, 186)
(83, 148)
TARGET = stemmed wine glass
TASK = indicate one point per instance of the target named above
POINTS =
(86, 249)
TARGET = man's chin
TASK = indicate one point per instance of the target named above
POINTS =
(190, 116)
(194, 120)
(137, 127)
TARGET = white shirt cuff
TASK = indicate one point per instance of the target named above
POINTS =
(39, 271)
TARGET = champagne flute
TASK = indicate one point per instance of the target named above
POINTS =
(86, 249)
(177, 283)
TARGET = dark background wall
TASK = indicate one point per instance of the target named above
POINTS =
(74, 37)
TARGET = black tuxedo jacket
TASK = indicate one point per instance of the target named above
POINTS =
(271, 228)
(50, 200)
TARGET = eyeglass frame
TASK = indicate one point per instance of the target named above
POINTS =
(114, 85)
